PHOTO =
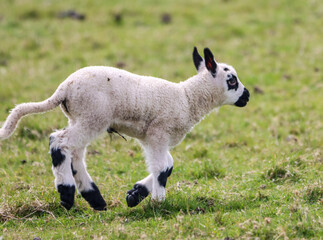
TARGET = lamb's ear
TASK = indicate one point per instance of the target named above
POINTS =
(197, 59)
(210, 64)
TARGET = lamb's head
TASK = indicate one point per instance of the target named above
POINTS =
(223, 78)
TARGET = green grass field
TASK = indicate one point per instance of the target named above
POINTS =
(242, 173)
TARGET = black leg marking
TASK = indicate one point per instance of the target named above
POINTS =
(94, 198)
(73, 170)
(162, 178)
(136, 195)
(67, 195)
(57, 156)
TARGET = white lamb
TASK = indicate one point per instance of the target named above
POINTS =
(156, 112)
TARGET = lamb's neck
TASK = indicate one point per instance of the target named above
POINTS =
(201, 97)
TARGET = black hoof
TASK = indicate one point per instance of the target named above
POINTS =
(67, 195)
(66, 205)
(136, 195)
(95, 199)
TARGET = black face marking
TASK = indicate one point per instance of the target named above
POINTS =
(243, 99)
(162, 178)
(65, 106)
(67, 195)
(226, 69)
(94, 198)
(73, 170)
(57, 156)
(210, 64)
(197, 59)
(232, 82)
(136, 195)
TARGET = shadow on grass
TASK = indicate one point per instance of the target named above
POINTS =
(191, 206)
(173, 206)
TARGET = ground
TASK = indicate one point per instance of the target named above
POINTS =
(241, 173)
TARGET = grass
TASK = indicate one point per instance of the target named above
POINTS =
(254, 172)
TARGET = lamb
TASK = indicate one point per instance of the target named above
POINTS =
(156, 112)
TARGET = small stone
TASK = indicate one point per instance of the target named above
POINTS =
(71, 14)
(258, 90)
(267, 220)
(287, 77)
(166, 18)
(263, 186)
(292, 138)
(118, 18)
(120, 64)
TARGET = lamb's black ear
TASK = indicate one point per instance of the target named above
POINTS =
(210, 64)
(197, 59)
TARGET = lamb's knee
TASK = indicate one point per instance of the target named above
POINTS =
(57, 156)
(55, 151)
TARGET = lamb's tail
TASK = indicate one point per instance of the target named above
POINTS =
(30, 108)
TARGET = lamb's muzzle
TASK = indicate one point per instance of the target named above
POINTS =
(243, 99)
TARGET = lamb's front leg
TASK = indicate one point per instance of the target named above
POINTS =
(161, 172)
(139, 191)
(154, 183)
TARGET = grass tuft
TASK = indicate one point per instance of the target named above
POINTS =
(206, 170)
(282, 172)
(314, 193)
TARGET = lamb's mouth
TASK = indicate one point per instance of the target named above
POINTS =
(243, 99)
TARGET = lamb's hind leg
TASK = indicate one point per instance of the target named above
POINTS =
(67, 151)
(61, 160)
(145, 186)
(84, 182)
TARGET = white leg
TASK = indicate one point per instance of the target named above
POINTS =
(67, 152)
(148, 181)
(160, 164)
(161, 171)
(61, 160)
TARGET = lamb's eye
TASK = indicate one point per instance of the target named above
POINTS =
(232, 81)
